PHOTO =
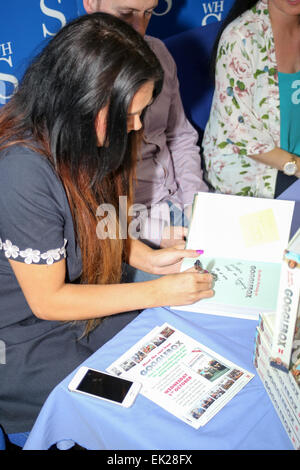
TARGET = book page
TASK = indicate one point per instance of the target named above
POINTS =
(240, 227)
(259, 228)
(242, 240)
(245, 285)
(181, 375)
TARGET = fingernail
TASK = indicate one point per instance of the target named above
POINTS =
(200, 252)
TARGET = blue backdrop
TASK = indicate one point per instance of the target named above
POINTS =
(26, 26)
(175, 16)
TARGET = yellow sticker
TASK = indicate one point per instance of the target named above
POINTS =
(259, 228)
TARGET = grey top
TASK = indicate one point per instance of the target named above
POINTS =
(36, 227)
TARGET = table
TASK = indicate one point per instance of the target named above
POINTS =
(249, 421)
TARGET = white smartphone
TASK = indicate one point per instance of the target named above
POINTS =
(107, 387)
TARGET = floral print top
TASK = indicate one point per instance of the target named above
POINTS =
(245, 116)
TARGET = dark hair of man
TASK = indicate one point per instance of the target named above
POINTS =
(238, 8)
(94, 61)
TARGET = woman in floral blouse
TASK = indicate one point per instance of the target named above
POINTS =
(251, 142)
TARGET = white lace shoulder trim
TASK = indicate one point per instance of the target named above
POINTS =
(32, 256)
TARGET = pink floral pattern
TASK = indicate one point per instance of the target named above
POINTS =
(245, 115)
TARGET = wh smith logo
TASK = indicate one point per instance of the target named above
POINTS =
(212, 10)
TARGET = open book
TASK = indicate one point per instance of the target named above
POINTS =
(243, 239)
(181, 375)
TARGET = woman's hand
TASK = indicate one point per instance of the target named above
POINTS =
(183, 288)
(168, 260)
(172, 236)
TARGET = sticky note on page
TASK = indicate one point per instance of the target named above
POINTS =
(259, 228)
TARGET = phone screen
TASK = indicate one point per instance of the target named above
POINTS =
(105, 386)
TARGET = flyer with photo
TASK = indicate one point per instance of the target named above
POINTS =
(181, 375)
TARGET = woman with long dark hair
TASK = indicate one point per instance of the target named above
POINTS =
(67, 145)
(252, 141)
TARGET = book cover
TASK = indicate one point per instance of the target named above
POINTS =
(285, 382)
(279, 386)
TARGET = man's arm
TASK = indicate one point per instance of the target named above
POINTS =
(182, 141)
(178, 155)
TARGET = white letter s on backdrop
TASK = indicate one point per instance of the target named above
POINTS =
(53, 14)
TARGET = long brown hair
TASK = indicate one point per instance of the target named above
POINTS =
(95, 61)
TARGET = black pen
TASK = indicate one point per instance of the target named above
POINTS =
(198, 267)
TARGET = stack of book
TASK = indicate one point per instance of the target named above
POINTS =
(277, 345)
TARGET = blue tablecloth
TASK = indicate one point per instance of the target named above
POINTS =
(249, 421)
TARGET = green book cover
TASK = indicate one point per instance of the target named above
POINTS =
(240, 283)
